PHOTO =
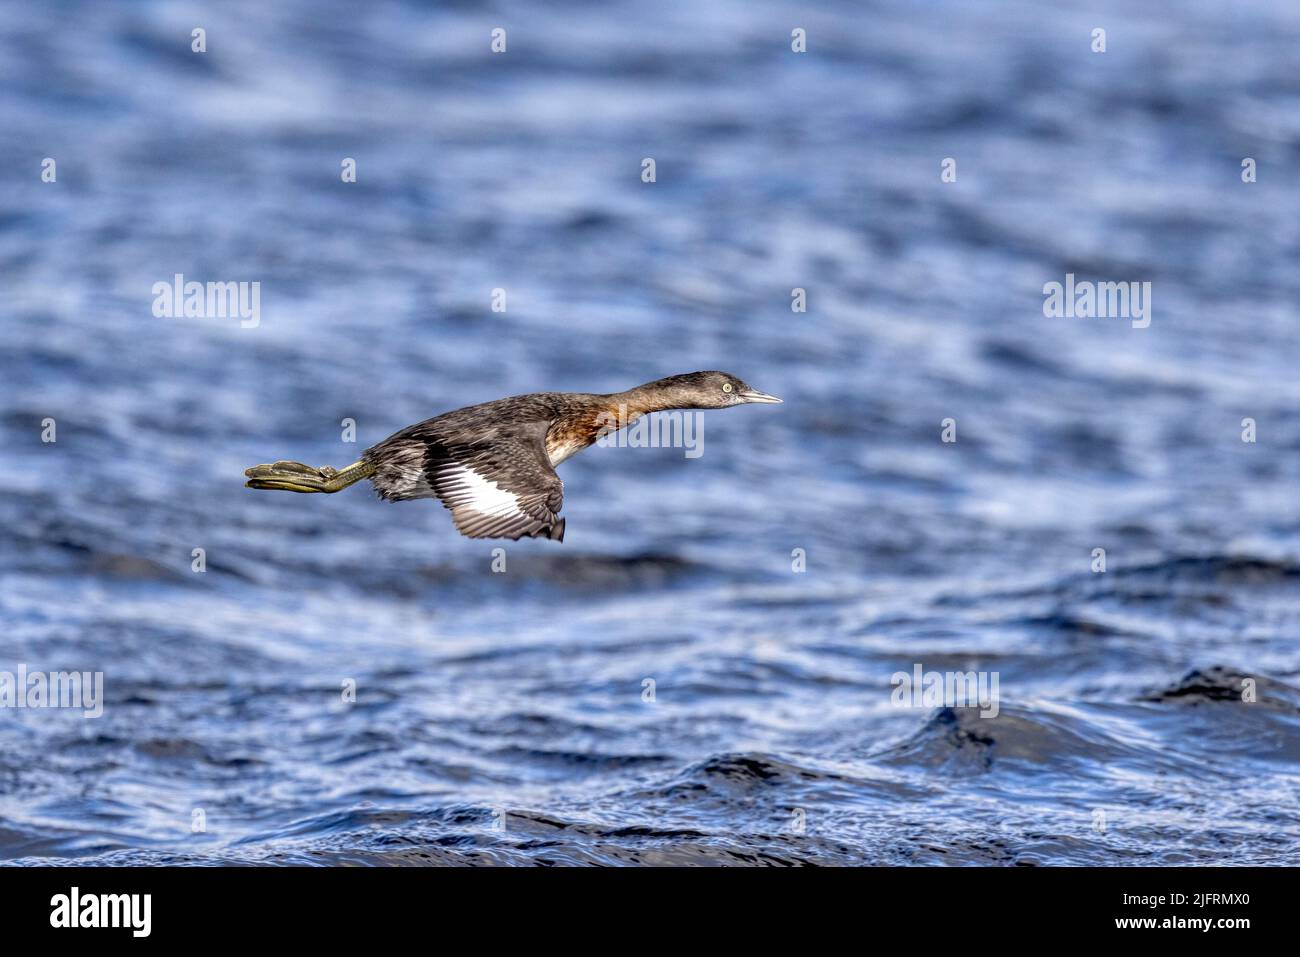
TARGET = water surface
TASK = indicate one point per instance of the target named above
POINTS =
(501, 717)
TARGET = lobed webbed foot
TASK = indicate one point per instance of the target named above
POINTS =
(289, 476)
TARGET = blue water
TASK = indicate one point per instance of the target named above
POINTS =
(499, 717)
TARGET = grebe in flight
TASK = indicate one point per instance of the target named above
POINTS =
(493, 465)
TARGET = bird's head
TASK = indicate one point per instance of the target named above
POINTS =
(704, 390)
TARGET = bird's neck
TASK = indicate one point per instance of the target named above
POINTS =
(598, 415)
(643, 400)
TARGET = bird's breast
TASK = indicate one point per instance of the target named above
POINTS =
(559, 451)
(575, 432)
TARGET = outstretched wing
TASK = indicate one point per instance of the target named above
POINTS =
(503, 487)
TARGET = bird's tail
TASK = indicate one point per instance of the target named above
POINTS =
(296, 477)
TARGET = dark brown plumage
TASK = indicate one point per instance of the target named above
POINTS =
(493, 465)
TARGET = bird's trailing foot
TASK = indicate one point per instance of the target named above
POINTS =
(288, 476)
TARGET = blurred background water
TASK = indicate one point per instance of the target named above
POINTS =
(500, 717)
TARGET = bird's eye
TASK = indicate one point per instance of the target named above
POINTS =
(726, 387)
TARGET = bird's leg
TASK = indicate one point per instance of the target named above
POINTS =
(296, 477)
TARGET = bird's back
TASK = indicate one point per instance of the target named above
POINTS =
(506, 431)
(478, 423)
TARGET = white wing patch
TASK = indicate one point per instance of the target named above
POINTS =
(465, 488)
